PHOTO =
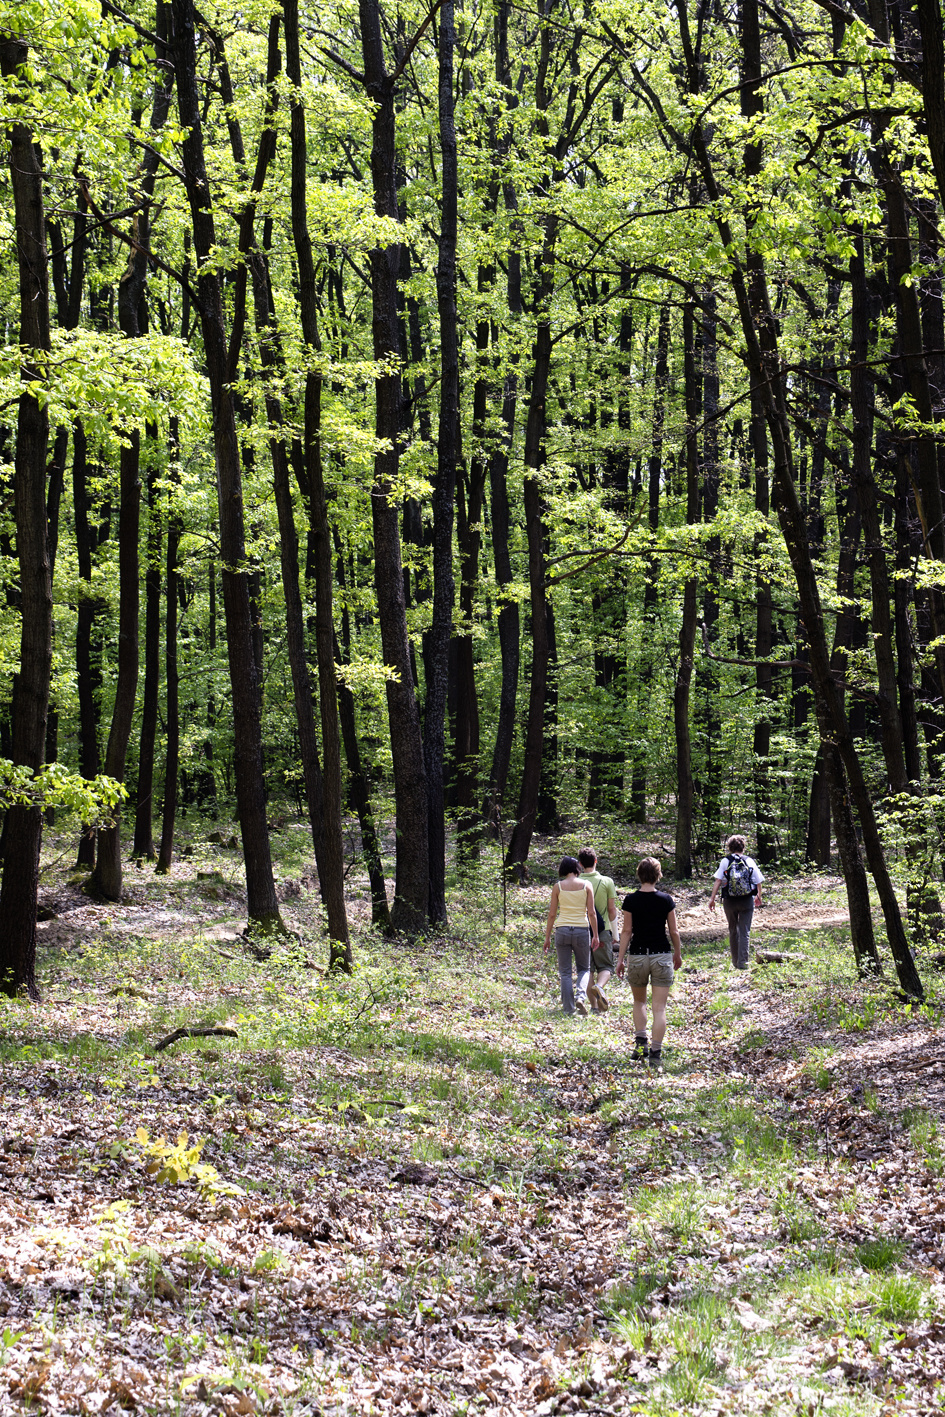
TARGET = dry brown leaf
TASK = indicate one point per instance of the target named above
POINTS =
(121, 1393)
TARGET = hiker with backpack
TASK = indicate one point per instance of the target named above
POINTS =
(740, 881)
(605, 907)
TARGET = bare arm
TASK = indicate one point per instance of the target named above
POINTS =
(552, 912)
(673, 929)
(625, 936)
(592, 915)
(715, 891)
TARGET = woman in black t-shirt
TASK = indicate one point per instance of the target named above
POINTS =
(647, 916)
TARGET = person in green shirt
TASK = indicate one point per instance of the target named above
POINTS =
(605, 900)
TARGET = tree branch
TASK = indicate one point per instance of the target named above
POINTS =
(136, 246)
(194, 1033)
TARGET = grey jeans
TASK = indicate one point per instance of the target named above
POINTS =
(573, 940)
(738, 913)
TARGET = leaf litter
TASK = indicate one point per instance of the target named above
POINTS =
(437, 1195)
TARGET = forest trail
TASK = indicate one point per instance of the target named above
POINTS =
(452, 1198)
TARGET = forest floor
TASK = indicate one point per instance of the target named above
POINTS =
(422, 1189)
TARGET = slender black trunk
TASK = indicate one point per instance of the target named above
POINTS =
(24, 825)
(862, 398)
(707, 678)
(640, 755)
(766, 834)
(517, 853)
(172, 690)
(412, 888)
(331, 866)
(444, 487)
(358, 777)
(687, 630)
(144, 839)
(88, 664)
(263, 907)
(132, 316)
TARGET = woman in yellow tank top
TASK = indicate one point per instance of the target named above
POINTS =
(574, 918)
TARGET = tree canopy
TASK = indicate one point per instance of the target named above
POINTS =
(483, 414)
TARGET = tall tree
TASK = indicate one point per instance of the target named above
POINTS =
(447, 461)
(244, 678)
(106, 878)
(412, 886)
(332, 864)
(24, 823)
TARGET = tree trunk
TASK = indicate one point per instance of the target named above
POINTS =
(88, 665)
(444, 486)
(24, 825)
(639, 749)
(144, 839)
(766, 829)
(412, 888)
(546, 815)
(904, 610)
(687, 631)
(331, 865)
(132, 317)
(862, 400)
(106, 879)
(463, 689)
(517, 853)
(712, 825)
(263, 907)
(380, 911)
(54, 479)
(508, 617)
(172, 691)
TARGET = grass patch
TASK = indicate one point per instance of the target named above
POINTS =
(900, 1298)
(442, 1048)
(879, 1254)
(799, 1222)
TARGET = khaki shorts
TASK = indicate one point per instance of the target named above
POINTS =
(603, 956)
(642, 970)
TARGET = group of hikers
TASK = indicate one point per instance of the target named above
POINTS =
(583, 915)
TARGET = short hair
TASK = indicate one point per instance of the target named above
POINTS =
(735, 843)
(587, 857)
(568, 866)
(650, 871)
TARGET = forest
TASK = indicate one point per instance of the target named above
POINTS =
(431, 417)
(435, 438)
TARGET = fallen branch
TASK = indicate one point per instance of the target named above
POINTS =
(922, 1063)
(776, 957)
(194, 1033)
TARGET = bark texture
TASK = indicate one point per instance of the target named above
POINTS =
(24, 824)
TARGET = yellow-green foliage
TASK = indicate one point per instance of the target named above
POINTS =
(175, 1162)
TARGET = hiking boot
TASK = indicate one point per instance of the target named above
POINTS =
(581, 1007)
(640, 1053)
(595, 996)
(655, 1061)
(603, 1003)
